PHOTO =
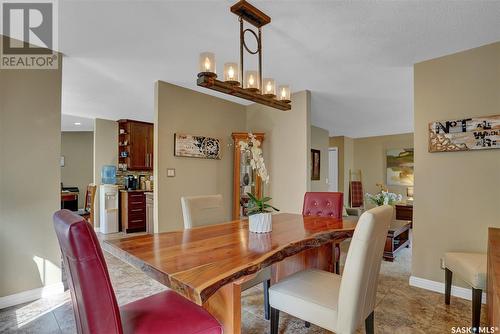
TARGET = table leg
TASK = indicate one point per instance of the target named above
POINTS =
(225, 306)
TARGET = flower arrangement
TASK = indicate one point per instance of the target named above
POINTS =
(252, 148)
(259, 211)
(384, 198)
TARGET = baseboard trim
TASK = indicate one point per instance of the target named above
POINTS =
(456, 291)
(31, 295)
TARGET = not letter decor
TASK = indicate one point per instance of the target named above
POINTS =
(316, 164)
(249, 85)
(466, 134)
(196, 146)
(400, 167)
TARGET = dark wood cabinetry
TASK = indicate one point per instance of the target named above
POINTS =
(404, 212)
(135, 144)
(133, 211)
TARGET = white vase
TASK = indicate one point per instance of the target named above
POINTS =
(260, 223)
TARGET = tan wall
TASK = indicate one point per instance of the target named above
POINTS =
(338, 142)
(105, 153)
(370, 158)
(77, 147)
(345, 147)
(286, 149)
(30, 148)
(320, 141)
(181, 110)
(456, 193)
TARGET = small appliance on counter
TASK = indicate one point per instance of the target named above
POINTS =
(131, 182)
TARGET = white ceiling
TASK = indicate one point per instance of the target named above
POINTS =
(76, 123)
(355, 56)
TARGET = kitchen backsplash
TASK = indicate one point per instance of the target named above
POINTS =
(121, 175)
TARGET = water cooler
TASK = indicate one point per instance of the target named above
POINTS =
(108, 203)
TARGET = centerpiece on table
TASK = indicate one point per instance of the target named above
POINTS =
(384, 197)
(259, 209)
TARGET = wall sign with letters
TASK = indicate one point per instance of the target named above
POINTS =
(466, 134)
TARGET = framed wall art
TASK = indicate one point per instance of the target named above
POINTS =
(196, 146)
(316, 164)
(400, 167)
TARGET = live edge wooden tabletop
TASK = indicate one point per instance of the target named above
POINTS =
(197, 262)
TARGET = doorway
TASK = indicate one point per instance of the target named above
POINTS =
(333, 171)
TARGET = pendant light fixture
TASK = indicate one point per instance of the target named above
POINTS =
(246, 84)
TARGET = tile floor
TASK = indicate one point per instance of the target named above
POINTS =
(400, 308)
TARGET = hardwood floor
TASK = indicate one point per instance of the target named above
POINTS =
(400, 308)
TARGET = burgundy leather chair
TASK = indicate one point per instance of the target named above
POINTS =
(94, 303)
(325, 204)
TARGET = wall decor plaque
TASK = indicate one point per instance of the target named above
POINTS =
(467, 134)
(316, 164)
(196, 146)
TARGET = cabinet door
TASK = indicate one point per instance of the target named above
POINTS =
(150, 146)
(138, 147)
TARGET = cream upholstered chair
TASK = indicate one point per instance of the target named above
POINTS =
(471, 267)
(207, 210)
(338, 303)
(202, 210)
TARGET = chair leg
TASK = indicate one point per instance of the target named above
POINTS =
(476, 309)
(307, 324)
(448, 276)
(337, 258)
(369, 324)
(266, 284)
(275, 320)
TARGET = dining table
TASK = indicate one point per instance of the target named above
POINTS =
(209, 264)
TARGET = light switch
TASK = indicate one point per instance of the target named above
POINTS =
(170, 172)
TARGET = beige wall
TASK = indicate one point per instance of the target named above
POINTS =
(286, 149)
(370, 158)
(456, 193)
(105, 153)
(77, 147)
(320, 141)
(30, 147)
(181, 110)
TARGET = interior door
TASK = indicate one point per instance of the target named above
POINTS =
(333, 172)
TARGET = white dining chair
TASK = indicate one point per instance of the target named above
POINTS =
(202, 210)
(338, 303)
(207, 210)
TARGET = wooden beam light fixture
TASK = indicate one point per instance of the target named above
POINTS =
(248, 85)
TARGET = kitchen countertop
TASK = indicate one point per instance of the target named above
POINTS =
(136, 191)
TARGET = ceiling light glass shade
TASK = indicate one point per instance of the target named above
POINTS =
(207, 62)
(231, 73)
(269, 88)
(284, 93)
(252, 80)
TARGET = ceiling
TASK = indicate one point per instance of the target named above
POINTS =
(76, 123)
(355, 57)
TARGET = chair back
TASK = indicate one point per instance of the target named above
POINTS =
(202, 210)
(362, 267)
(90, 202)
(323, 204)
(94, 302)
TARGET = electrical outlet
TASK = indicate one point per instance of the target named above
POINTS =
(170, 172)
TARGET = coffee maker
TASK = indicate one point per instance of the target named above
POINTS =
(131, 182)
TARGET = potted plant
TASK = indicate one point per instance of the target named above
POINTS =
(259, 210)
(259, 214)
(384, 197)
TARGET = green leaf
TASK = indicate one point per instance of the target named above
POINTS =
(266, 199)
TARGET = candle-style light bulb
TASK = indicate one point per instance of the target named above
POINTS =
(230, 72)
(206, 64)
(283, 93)
(269, 87)
(251, 80)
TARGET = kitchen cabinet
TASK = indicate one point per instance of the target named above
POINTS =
(135, 145)
(133, 210)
